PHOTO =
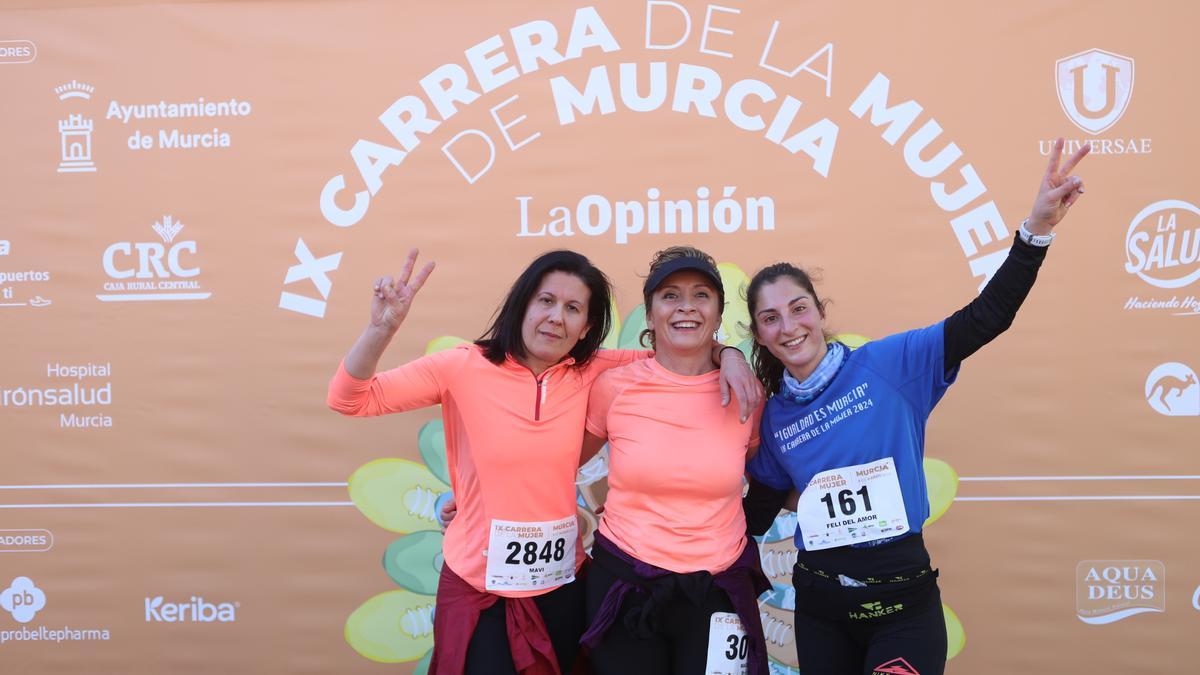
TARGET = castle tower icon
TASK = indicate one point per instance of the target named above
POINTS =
(76, 132)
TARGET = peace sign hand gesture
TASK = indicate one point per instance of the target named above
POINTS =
(1058, 191)
(394, 296)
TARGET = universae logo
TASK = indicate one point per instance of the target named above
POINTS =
(1094, 88)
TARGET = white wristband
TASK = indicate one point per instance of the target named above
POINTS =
(1032, 239)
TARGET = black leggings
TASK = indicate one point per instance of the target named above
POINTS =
(680, 646)
(562, 610)
(883, 629)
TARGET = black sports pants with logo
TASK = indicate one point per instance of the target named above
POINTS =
(882, 629)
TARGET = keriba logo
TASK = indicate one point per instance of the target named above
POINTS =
(195, 610)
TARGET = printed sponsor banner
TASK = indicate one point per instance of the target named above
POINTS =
(197, 204)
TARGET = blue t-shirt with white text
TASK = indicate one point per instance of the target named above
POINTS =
(875, 407)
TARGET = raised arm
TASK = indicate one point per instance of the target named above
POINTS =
(993, 311)
(392, 299)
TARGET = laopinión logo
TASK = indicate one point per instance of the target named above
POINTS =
(75, 132)
(24, 600)
(195, 610)
(1162, 249)
(1173, 389)
(1107, 591)
(1094, 89)
(152, 270)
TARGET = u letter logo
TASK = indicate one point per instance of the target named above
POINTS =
(1094, 88)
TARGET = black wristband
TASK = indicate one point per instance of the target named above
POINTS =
(721, 352)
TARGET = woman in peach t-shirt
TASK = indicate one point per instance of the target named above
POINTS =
(674, 585)
(513, 405)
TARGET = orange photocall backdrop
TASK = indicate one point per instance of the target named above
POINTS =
(197, 196)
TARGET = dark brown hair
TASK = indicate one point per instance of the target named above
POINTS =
(767, 367)
(503, 337)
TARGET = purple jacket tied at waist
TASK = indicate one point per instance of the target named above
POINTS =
(743, 582)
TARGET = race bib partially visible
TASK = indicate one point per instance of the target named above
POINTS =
(531, 556)
(852, 505)
(727, 645)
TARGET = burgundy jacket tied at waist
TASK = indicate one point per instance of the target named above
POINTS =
(743, 582)
(459, 605)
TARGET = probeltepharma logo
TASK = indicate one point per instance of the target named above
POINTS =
(195, 610)
(153, 271)
(1094, 89)
(24, 600)
(1172, 389)
(1162, 249)
(1107, 591)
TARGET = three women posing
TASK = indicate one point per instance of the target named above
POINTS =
(673, 565)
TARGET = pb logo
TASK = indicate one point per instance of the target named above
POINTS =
(1094, 88)
(23, 599)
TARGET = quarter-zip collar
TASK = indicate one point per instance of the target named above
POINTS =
(541, 382)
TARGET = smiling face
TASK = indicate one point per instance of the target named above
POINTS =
(790, 324)
(684, 313)
(555, 320)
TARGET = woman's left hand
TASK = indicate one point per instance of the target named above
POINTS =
(1058, 191)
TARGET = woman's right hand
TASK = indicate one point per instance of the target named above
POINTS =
(394, 296)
